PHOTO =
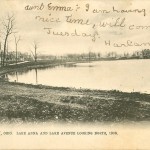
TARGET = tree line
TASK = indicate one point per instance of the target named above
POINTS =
(8, 31)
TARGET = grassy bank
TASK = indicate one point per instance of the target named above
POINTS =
(32, 65)
(37, 65)
(36, 103)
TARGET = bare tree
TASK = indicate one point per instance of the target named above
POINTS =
(17, 39)
(35, 46)
(8, 28)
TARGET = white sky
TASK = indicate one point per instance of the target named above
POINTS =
(30, 29)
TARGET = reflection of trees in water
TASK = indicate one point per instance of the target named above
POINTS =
(16, 76)
(20, 72)
(36, 76)
(70, 65)
(46, 68)
(26, 71)
(5, 77)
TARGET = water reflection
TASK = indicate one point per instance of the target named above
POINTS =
(20, 72)
(70, 65)
(123, 75)
(4, 77)
(16, 76)
(36, 76)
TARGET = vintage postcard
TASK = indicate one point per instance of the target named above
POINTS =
(75, 74)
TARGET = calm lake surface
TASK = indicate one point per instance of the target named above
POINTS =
(123, 75)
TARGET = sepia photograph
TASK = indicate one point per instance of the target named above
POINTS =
(74, 74)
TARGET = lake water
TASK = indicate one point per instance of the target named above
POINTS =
(123, 75)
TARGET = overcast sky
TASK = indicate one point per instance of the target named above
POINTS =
(30, 29)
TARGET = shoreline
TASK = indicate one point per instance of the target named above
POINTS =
(44, 64)
(20, 102)
(26, 103)
(29, 65)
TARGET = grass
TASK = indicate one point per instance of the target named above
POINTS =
(31, 65)
(31, 103)
(38, 103)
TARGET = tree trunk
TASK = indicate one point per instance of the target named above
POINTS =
(4, 54)
(16, 55)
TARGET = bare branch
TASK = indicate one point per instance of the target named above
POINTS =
(17, 39)
(32, 53)
(8, 28)
(35, 46)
